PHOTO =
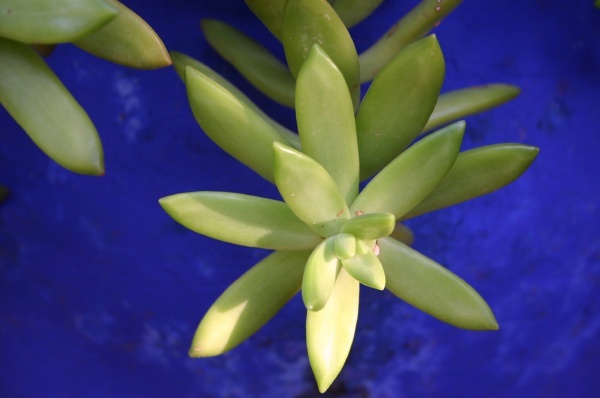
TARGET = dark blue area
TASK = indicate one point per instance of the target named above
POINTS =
(101, 291)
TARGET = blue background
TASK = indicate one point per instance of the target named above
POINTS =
(100, 291)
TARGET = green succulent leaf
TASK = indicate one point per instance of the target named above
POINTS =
(310, 22)
(330, 331)
(270, 12)
(257, 64)
(477, 172)
(344, 246)
(127, 40)
(351, 12)
(320, 274)
(309, 191)
(365, 267)
(232, 124)
(45, 109)
(403, 234)
(241, 219)
(181, 61)
(413, 175)
(433, 289)
(48, 22)
(370, 226)
(458, 104)
(326, 124)
(249, 303)
(414, 25)
(398, 104)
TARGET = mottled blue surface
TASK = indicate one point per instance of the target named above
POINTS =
(100, 291)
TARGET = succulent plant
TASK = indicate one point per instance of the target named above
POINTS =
(273, 78)
(33, 94)
(327, 235)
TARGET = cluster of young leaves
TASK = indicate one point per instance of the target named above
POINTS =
(35, 97)
(277, 80)
(328, 236)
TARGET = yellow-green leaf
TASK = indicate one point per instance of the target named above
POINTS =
(45, 109)
(433, 289)
(412, 176)
(344, 245)
(232, 124)
(127, 40)
(477, 172)
(370, 226)
(320, 274)
(458, 104)
(351, 12)
(310, 22)
(330, 331)
(241, 219)
(398, 104)
(249, 303)
(365, 267)
(257, 64)
(55, 21)
(181, 61)
(270, 12)
(309, 191)
(326, 125)
(414, 25)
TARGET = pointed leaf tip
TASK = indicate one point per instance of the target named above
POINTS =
(330, 331)
(250, 302)
(309, 190)
(433, 289)
(319, 277)
(411, 176)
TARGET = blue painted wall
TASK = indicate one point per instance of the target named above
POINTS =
(100, 291)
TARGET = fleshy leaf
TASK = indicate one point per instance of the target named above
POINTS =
(127, 40)
(477, 172)
(249, 303)
(49, 22)
(241, 219)
(326, 120)
(414, 25)
(413, 175)
(270, 12)
(403, 234)
(370, 226)
(310, 22)
(45, 109)
(433, 289)
(330, 331)
(309, 190)
(181, 61)
(398, 104)
(365, 267)
(257, 64)
(458, 104)
(231, 124)
(344, 246)
(351, 12)
(320, 274)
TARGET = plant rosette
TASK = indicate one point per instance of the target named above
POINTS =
(328, 238)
